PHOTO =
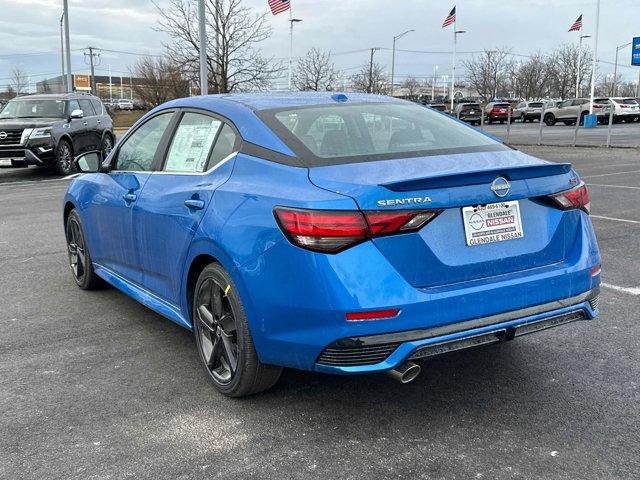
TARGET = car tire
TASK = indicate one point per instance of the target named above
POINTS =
(64, 158)
(549, 120)
(79, 255)
(223, 338)
(106, 145)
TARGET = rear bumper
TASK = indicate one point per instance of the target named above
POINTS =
(378, 353)
(296, 301)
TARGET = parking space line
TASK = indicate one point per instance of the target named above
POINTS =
(607, 174)
(612, 186)
(630, 290)
(616, 219)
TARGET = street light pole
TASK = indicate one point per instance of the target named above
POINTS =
(579, 64)
(453, 72)
(67, 45)
(595, 59)
(202, 34)
(62, 80)
(615, 68)
(433, 84)
(291, 22)
(393, 58)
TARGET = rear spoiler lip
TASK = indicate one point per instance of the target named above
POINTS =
(478, 177)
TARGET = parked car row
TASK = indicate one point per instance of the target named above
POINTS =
(555, 111)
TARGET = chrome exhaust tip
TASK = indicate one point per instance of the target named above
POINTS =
(405, 373)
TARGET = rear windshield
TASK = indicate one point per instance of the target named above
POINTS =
(471, 105)
(629, 101)
(501, 105)
(535, 105)
(334, 134)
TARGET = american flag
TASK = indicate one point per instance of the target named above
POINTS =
(577, 25)
(279, 6)
(450, 18)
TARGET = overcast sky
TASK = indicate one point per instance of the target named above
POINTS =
(29, 31)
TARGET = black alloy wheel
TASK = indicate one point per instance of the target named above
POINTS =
(107, 146)
(223, 339)
(216, 326)
(79, 256)
(64, 159)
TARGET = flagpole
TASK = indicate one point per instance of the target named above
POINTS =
(595, 59)
(455, 47)
(290, 43)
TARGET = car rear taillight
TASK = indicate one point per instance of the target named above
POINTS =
(331, 231)
(577, 197)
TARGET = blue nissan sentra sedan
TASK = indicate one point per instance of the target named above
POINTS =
(338, 233)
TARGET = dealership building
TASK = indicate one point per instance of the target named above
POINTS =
(106, 87)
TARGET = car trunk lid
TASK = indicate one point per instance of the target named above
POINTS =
(438, 254)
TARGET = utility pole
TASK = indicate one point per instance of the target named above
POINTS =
(67, 45)
(91, 55)
(202, 34)
(62, 80)
(370, 82)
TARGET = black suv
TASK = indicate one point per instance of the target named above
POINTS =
(50, 130)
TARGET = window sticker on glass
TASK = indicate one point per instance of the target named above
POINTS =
(191, 143)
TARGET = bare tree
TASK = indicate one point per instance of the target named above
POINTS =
(234, 60)
(487, 72)
(562, 69)
(315, 71)
(371, 78)
(412, 86)
(19, 80)
(528, 79)
(161, 81)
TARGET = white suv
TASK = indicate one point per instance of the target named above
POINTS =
(626, 109)
(124, 104)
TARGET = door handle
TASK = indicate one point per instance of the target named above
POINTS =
(85, 123)
(130, 197)
(194, 204)
(99, 122)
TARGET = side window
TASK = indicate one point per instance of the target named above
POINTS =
(97, 106)
(138, 151)
(192, 143)
(73, 105)
(223, 147)
(86, 107)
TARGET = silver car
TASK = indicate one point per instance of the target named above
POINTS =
(568, 111)
(527, 111)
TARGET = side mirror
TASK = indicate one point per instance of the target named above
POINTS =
(77, 113)
(89, 162)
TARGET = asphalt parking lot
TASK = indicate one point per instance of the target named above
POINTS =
(94, 385)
